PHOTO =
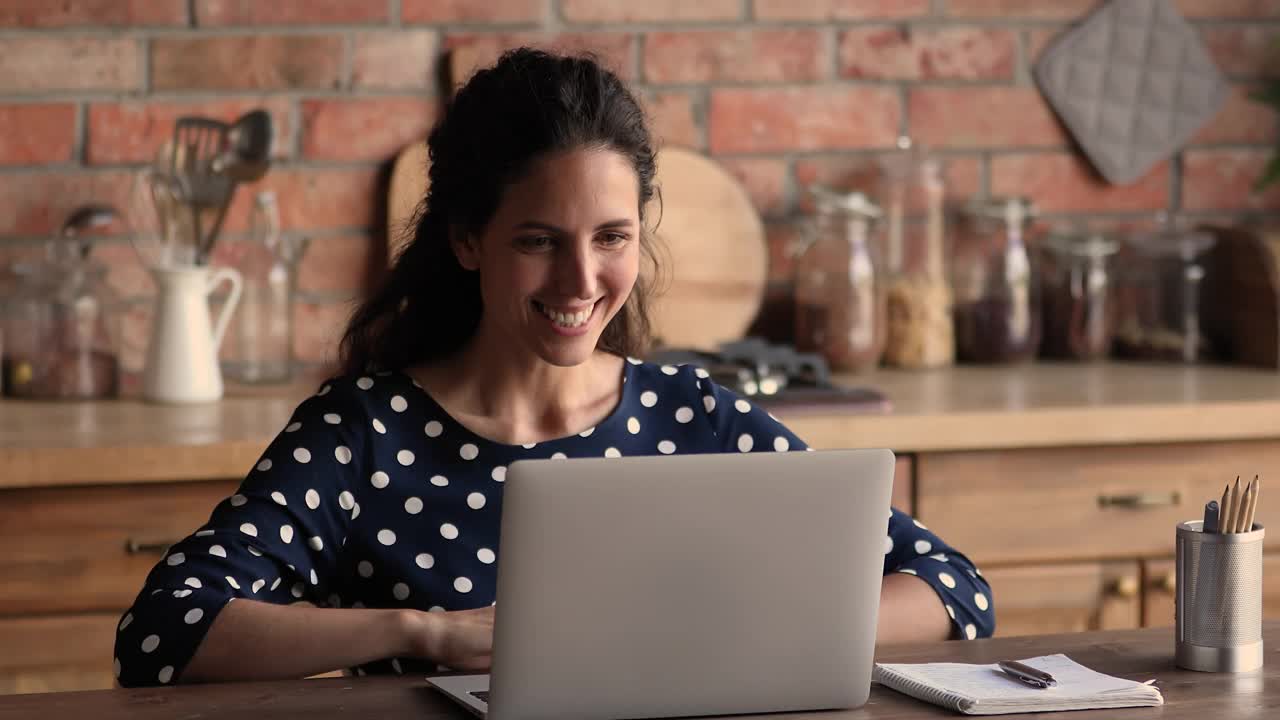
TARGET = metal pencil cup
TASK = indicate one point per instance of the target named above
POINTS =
(1219, 600)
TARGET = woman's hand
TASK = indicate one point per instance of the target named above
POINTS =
(462, 639)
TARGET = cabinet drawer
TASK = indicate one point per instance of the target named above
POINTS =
(1161, 582)
(1065, 598)
(56, 654)
(1070, 503)
(68, 549)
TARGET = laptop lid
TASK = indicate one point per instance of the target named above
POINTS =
(689, 584)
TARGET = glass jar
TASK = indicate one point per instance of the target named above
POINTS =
(60, 331)
(997, 311)
(919, 331)
(1160, 297)
(839, 303)
(1079, 296)
(258, 346)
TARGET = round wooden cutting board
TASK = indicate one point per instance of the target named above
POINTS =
(712, 245)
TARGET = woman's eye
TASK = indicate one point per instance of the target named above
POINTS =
(615, 238)
(535, 242)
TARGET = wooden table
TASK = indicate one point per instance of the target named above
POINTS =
(1134, 654)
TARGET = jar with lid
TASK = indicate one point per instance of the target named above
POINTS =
(1079, 295)
(919, 332)
(997, 311)
(840, 305)
(1160, 297)
(60, 330)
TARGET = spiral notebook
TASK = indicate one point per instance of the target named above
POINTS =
(986, 690)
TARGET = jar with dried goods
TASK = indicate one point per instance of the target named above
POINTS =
(1079, 297)
(1160, 297)
(919, 332)
(840, 305)
(997, 311)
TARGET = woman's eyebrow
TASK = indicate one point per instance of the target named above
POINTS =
(535, 225)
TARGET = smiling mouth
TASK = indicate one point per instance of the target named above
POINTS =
(565, 320)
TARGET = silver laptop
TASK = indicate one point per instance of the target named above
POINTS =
(685, 585)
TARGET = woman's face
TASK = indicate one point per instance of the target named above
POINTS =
(561, 254)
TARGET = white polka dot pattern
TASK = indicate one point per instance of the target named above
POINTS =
(424, 533)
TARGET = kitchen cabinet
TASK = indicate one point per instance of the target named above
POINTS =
(1063, 483)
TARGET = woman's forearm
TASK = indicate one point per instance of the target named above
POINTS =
(910, 611)
(252, 640)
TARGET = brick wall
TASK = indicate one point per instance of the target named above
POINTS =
(783, 92)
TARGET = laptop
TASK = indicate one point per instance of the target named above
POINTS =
(667, 586)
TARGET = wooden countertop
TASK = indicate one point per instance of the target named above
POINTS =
(962, 408)
(1134, 654)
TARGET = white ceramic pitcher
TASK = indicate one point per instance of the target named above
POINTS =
(182, 357)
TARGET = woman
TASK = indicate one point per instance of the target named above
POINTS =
(366, 536)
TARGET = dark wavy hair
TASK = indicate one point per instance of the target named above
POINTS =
(528, 105)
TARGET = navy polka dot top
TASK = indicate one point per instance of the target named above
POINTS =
(372, 496)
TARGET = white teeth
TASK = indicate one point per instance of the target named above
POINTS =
(563, 319)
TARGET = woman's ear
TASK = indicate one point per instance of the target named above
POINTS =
(465, 248)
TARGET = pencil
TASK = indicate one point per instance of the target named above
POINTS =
(1224, 517)
(1241, 514)
(1237, 504)
(1253, 504)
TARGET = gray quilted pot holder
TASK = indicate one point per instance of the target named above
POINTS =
(1133, 83)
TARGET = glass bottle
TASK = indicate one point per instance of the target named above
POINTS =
(258, 347)
(997, 311)
(61, 330)
(1079, 295)
(839, 303)
(1161, 289)
(919, 331)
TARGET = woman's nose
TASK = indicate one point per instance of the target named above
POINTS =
(576, 271)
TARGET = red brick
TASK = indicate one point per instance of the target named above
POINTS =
(1244, 9)
(37, 134)
(1241, 120)
(701, 56)
(962, 175)
(1036, 9)
(42, 14)
(41, 201)
(621, 11)
(784, 119)
(1244, 51)
(983, 117)
(371, 128)
(317, 330)
(132, 132)
(441, 11)
(673, 119)
(817, 10)
(764, 179)
(340, 264)
(216, 13)
(256, 62)
(615, 49)
(400, 60)
(314, 198)
(67, 62)
(900, 53)
(1062, 182)
(1224, 179)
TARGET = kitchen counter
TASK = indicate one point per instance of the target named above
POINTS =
(962, 408)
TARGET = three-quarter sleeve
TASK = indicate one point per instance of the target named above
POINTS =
(910, 547)
(277, 539)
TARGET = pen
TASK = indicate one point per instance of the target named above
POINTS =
(1210, 517)
(1027, 674)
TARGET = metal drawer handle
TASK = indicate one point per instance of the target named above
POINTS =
(134, 547)
(1125, 587)
(1141, 500)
